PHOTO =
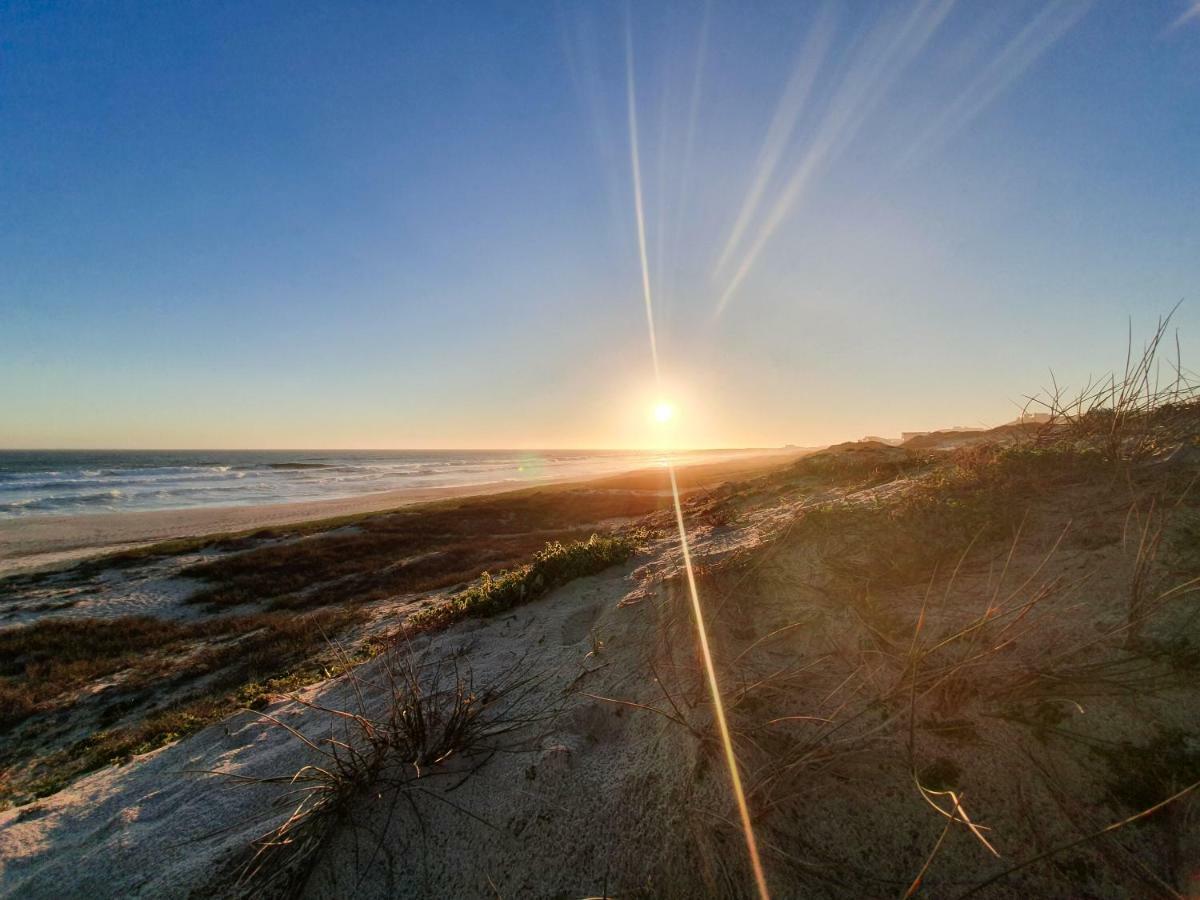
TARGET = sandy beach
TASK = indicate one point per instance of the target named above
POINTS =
(570, 727)
(42, 542)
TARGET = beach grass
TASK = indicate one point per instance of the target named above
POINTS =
(409, 721)
(410, 551)
(165, 679)
(552, 566)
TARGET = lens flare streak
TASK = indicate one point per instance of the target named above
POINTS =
(701, 632)
(715, 689)
(783, 124)
(630, 91)
(886, 53)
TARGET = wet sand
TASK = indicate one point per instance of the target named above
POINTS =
(51, 541)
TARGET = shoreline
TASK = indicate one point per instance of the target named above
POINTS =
(48, 542)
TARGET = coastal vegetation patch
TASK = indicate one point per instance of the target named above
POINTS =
(552, 566)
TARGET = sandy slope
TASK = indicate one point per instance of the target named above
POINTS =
(158, 828)
(578, 787)
(608, 797)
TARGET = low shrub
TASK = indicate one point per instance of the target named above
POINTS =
(865, 460)
(554, 565)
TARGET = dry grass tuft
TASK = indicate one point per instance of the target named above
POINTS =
(1130, 415)
(411, 724)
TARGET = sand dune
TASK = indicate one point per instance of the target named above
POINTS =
(931, 670)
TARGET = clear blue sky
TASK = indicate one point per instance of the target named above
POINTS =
(412, 225)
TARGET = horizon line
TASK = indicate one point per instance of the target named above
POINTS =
(399, 449)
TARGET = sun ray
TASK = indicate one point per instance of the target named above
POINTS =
(630, 93)
(714, 688)
(791, 104)
(886, 53)
(664, 408)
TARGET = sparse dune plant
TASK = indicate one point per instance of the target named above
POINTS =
(411, 720)
(1126, 416)
(552, 566)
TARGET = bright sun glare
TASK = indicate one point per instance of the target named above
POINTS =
(664, 412)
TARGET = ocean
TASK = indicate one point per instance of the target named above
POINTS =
(62, 482)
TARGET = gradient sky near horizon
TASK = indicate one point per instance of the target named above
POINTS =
(413, 225)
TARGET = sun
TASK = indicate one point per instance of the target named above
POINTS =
(664, 412)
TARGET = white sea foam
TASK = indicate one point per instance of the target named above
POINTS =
(58, 483)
